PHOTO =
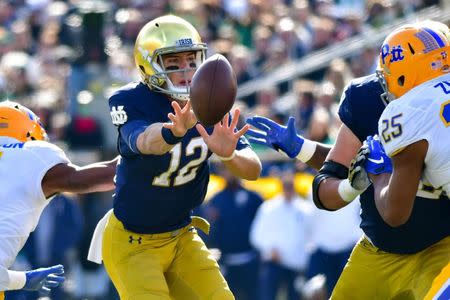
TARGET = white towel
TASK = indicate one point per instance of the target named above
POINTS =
(95, 249)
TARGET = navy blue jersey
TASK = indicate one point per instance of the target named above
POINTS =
(156, 193)
(360, 109)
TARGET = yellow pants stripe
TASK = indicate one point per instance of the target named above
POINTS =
(440, 284)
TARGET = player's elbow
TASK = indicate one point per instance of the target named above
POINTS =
(395, 219)
(254, 172)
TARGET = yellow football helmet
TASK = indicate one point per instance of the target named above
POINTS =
(19, 122)
(165, 35)
(411, 55)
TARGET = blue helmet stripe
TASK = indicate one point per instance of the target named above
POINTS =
(436, 37)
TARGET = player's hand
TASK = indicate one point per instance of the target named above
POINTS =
(276, 136)
(44, 279)
(183, 119)
(357, 175)
(224, 137)
(377, 161)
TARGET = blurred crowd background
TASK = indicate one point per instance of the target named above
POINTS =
(63, 59)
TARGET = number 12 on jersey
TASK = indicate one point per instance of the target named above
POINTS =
(391, 128)
(189, 171)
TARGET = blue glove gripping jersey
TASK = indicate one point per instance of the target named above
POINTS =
(360, 109)
(156, 193)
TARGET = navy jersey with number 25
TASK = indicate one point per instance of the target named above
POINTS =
(156, 193)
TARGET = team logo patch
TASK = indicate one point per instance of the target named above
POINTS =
(118, 115)
(184, 42)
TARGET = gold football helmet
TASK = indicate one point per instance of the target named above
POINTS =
(166, 35)
(19, 122)
(411, 55)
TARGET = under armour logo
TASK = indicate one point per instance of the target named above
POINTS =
(132, 239)
(118, 115)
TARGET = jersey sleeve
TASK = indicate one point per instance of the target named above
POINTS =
(400, 126)
(46, 156)
(131, 122)
(345, 112)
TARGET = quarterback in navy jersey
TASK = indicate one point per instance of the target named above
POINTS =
(388, 262)
(150, 246)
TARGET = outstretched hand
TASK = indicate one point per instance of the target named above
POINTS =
(225, 136)
(183, 119)
(44, 279)
(276, 136)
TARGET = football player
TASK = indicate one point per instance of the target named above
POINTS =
(414, 70)
(388, 262)
(32, 171)
(150, 247)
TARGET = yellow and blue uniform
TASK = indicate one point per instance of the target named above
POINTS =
(391, 262)
(150, 249)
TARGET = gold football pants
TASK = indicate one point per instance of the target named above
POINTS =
(172, 265)
(374, 274)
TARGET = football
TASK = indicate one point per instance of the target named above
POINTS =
(213, 90)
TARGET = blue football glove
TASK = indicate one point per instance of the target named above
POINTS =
(377, 161)
(44, 279)
(276, 136)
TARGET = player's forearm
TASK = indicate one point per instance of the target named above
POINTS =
(245, 165)
(319, 156)
(329, 194)
(151, 141)
(97, 177)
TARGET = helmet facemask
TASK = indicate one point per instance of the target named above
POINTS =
(162, 73)
(386, 97)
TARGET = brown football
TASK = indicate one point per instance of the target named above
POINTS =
(213, 90)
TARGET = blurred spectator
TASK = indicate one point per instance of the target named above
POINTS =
(334, 235)
(304, 90)
(231, 213)
(281, 232)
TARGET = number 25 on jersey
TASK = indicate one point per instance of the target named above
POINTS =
(392, 128)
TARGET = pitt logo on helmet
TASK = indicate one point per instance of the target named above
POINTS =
(411, 55)
(19, 122)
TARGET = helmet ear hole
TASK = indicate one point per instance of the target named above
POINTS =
(401, 80)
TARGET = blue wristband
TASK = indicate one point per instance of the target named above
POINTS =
(169, 137)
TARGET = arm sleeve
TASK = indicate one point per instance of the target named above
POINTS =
(47, 156)
(345, 111)
(4, 279)
(131, 122)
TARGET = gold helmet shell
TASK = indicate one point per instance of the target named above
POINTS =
(411, 55)
(166, 35)
(21, 123)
